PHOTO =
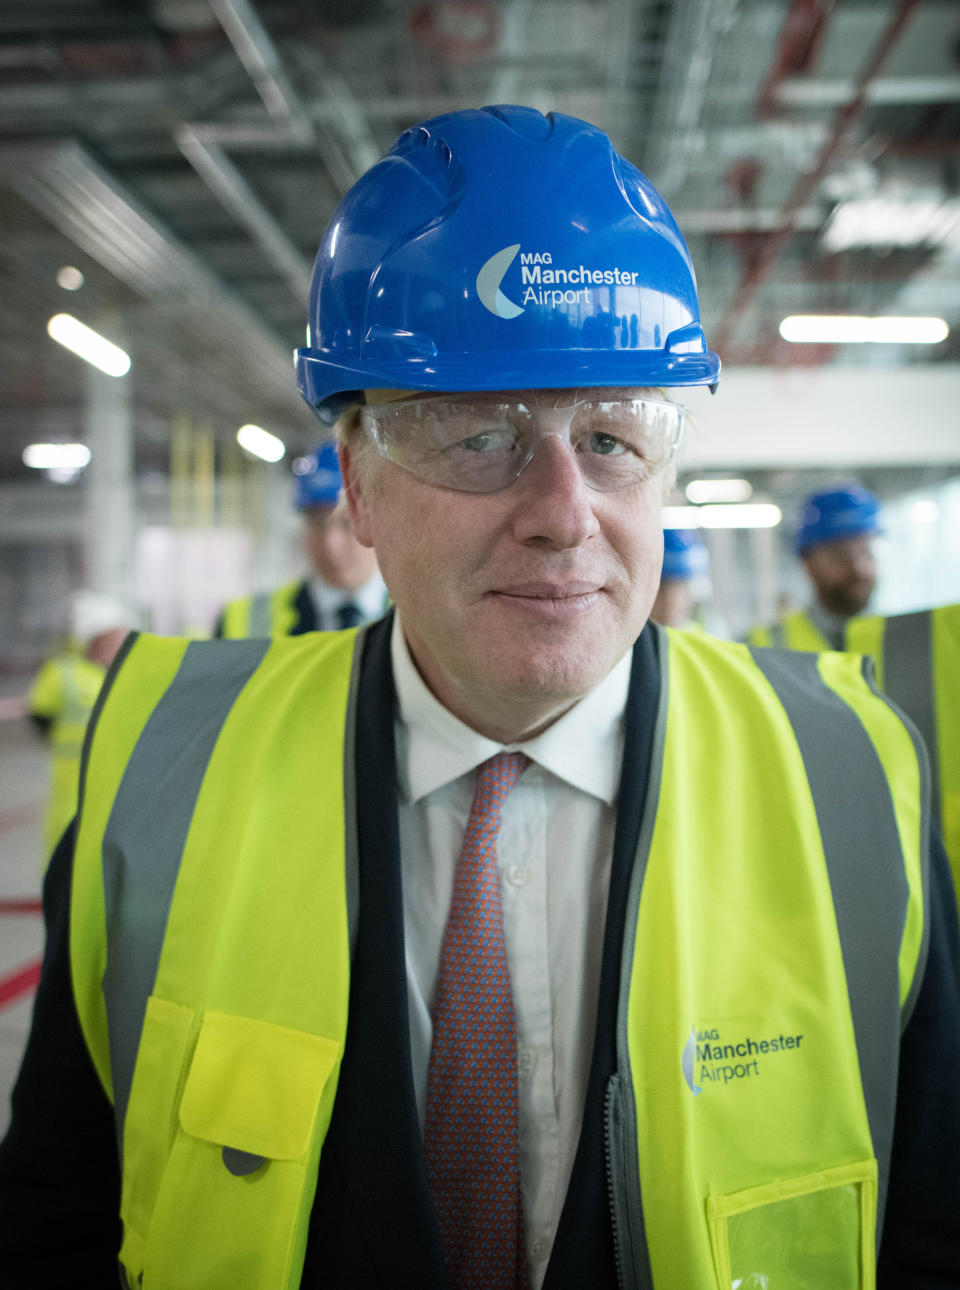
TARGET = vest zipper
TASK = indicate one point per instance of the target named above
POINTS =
(623, 1189)
(623, 1164)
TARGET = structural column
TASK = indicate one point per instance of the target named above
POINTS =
(110, 531)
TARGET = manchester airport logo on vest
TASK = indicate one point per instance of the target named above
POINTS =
(543, 282)
(710, 1059)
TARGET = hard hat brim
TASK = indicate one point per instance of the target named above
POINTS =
(324, 378)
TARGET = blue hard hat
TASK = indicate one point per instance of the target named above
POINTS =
(684, 556)
(835, 513)
(498, 248)
(320, 483)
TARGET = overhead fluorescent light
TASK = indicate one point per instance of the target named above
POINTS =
(261, 443)
(699, 491)
(924, 511)
(893, 221)
(855, 329)
(56, 456)
(745, 515)
(70, 278)
(89, 344)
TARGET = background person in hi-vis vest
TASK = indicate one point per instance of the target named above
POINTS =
(62, 696)
(344, 587)
(834, 542)
(916, 655)
(683, 578)
(511, 940)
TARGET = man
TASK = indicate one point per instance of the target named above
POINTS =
(646, 1029)
(684, 569)
(62, 697)
(834, 541)
(916, 656)
(345, 588)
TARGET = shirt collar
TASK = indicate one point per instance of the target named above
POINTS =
(584, 747)
(370, 599)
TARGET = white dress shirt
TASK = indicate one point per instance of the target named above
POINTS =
(554, 851)
(370, 599)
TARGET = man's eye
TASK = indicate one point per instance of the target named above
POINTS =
(486, 441)
(605, 445)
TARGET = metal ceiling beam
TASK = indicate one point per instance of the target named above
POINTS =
(345, 157)
(260, 57)
(88, 205)
(807, 185)
(803, 91)
(225, 180)
(694, 35)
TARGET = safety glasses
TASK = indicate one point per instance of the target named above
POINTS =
(477, 444)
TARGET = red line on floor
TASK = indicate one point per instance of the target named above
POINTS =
(23, 981)
(16, 818)
(21, 905)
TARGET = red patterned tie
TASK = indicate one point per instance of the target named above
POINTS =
(471, 1124)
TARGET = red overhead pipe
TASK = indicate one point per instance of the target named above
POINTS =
(799, 48)
(759, 271)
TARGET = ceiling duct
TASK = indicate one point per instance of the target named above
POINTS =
(78, 196)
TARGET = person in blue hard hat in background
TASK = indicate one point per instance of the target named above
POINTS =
(683, 578)
(512, 941)
(344, 588)
(834, 542)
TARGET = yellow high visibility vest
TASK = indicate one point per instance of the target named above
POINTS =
(750, 1122)
(917, 658)
(64, 691)
(795, 630)
(267, 613)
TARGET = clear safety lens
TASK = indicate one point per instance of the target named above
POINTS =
(481, 446)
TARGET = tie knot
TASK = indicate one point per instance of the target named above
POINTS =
(497, 775)
(348, 615)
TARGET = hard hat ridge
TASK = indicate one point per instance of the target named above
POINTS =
(498, 248)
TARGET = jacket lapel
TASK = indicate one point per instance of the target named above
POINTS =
(373, 1173)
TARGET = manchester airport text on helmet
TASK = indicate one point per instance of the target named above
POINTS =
(537, 272)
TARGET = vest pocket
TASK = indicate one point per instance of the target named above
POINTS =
(800, 1233)
(237, 1181)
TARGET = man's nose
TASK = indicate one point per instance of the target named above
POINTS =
(555, 505)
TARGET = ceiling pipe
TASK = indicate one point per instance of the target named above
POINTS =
(224, 179)
(262, 60)
(201, 145)
(799, 48)
(260, 57)
(88, 205)
(807, 184)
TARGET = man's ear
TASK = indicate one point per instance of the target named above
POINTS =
(357, 500)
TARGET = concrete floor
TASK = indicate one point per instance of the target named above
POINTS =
(23, 793)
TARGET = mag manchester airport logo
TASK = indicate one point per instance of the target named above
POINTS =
(542, 282)
(710, 1059)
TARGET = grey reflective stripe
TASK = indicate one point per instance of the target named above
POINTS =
(778, 635)
(861, 844)
(259, 623)
(630, 1238)
(351, 841)
(908, 679)
(923, 762)
(148, 825)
